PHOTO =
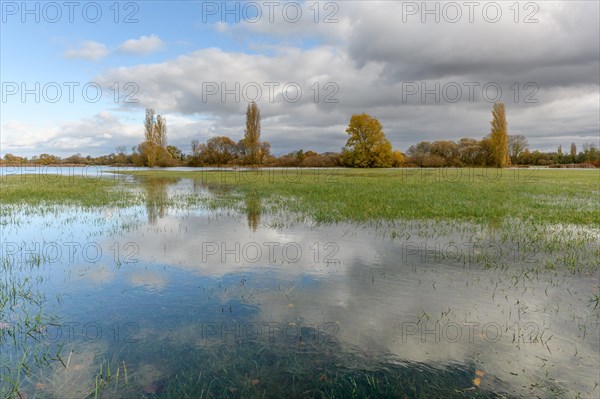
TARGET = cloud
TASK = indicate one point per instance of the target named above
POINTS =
(88, 50)
(143, 45)
(100, 133)
(374, 87)
(365, 62)
(95, 51)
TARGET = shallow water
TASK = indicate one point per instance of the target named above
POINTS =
(183, 300)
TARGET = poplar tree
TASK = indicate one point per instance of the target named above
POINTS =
(251, 142)
(499, 136)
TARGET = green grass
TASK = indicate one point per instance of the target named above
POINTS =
(477, 195)
(348, 195)
(62, 190)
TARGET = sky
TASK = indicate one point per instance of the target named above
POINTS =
(77, 76)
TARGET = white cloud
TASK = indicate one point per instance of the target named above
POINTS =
(88, 50)
(143, 45)
(99, 133)
(95, 51)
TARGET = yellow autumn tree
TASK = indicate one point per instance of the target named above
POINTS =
(367, 146)
(397, 159)
(251, 145)
(154, 149)
(499, 137)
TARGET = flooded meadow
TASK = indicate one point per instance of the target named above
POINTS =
(195, 289)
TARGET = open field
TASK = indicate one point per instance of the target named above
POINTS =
(336, 195)
(478, 195)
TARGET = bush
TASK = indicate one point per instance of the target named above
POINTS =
(322, 161)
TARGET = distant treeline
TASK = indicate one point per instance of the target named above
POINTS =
(467, 152)
(472, 152)
(367, 147)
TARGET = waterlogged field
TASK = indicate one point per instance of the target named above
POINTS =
(477, 283)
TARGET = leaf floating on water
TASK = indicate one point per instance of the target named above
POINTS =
(476, 381)
(479, 373)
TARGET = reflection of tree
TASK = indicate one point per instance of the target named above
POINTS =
(252, 202)
(253, 207)
(157, 196)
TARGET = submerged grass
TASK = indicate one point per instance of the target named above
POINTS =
(263, 370)
(23, 321)
(259, 371)
(37, 190)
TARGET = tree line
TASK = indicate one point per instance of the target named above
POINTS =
(366, 147)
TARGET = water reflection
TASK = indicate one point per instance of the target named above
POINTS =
(157, 196)
(252, 204)
(162, 192)
(388, 300)
(221, 303)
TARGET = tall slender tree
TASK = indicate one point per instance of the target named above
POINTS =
(148, 148)
(161, 131)
(149, 125)
(155, 131)
(559, 154)
(499, 136)
(251, 141)
(573, 152)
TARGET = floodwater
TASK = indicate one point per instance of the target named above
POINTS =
(172, 301)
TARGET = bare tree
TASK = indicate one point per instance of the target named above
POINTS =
(161, 131)
(195, 148)
(516, 145)
(149, 125)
